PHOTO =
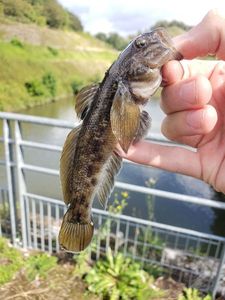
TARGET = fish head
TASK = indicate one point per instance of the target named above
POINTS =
(143, 59)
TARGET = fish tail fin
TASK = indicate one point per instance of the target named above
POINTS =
(75, 237)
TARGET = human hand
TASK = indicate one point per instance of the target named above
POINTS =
(194, 101)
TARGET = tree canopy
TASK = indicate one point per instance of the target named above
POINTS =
(41, 12)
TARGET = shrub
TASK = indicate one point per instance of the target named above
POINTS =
(17, 43)
(119, 278)
(35, 88)
(53, 51)
(10, 261)
(76, 85)
(39, 264)
(49, 82)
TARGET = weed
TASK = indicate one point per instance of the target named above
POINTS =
(39, 264)
(10, 261)
(193, 294)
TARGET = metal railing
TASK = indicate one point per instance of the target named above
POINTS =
(32, 220)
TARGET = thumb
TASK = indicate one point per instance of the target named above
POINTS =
(207, 38)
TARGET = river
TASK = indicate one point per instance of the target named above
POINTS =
(167, 211)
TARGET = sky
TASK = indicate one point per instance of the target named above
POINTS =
(129, 16)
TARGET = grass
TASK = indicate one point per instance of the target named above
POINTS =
(21, 63)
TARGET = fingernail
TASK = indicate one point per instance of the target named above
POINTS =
(194, 118)
(187, 91)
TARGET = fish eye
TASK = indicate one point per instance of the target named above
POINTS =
(141, 42)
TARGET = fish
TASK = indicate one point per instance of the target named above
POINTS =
(112, 114)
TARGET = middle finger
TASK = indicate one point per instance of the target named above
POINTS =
(188, 94)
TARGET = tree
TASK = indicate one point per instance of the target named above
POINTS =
(74, 22)
(56, 16)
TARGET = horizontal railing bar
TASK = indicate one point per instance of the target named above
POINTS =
(44, 198)
(41, 145)
(144, 190)
(160, 225)
(63, 124)
(37, 120)
(171, 195)
(40, 169)
(135, 220)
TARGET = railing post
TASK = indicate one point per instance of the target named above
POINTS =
(21, 182)
(9, 176)
(219, 272)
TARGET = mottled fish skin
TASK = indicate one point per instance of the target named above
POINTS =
(111, 114)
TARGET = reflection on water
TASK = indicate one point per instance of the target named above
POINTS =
(162, 210)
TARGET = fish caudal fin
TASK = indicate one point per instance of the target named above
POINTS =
(75, 237)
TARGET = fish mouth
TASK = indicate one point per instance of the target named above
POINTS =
(177, 55)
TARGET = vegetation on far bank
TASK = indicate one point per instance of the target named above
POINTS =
(31, 75)
(41, 12)
(44, 53)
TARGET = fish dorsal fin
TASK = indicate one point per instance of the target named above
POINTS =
(66, 163)
(84, 99)
(124, 117)
(145, 124)
(111, 168)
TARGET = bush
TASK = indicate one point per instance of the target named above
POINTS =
(35, 88)
(17, 43)
(47, 86)
(49, 82)
(53, 51)
(120, 278)
(76, 85)
(39, 265)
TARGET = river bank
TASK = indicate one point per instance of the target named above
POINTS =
(35, 69)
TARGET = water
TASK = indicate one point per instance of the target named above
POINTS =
(158, 209)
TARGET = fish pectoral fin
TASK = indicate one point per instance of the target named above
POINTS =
(75, 237)
(107, 178)
(124, 117)
(66, 163)
(144, 125)
(84, 99)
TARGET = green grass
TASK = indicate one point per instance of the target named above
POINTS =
(24, 63)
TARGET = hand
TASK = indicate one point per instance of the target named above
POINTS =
(194, 100)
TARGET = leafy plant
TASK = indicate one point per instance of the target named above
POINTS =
(11, 261)
(193, 294)
(119, 278)
(39, 264)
